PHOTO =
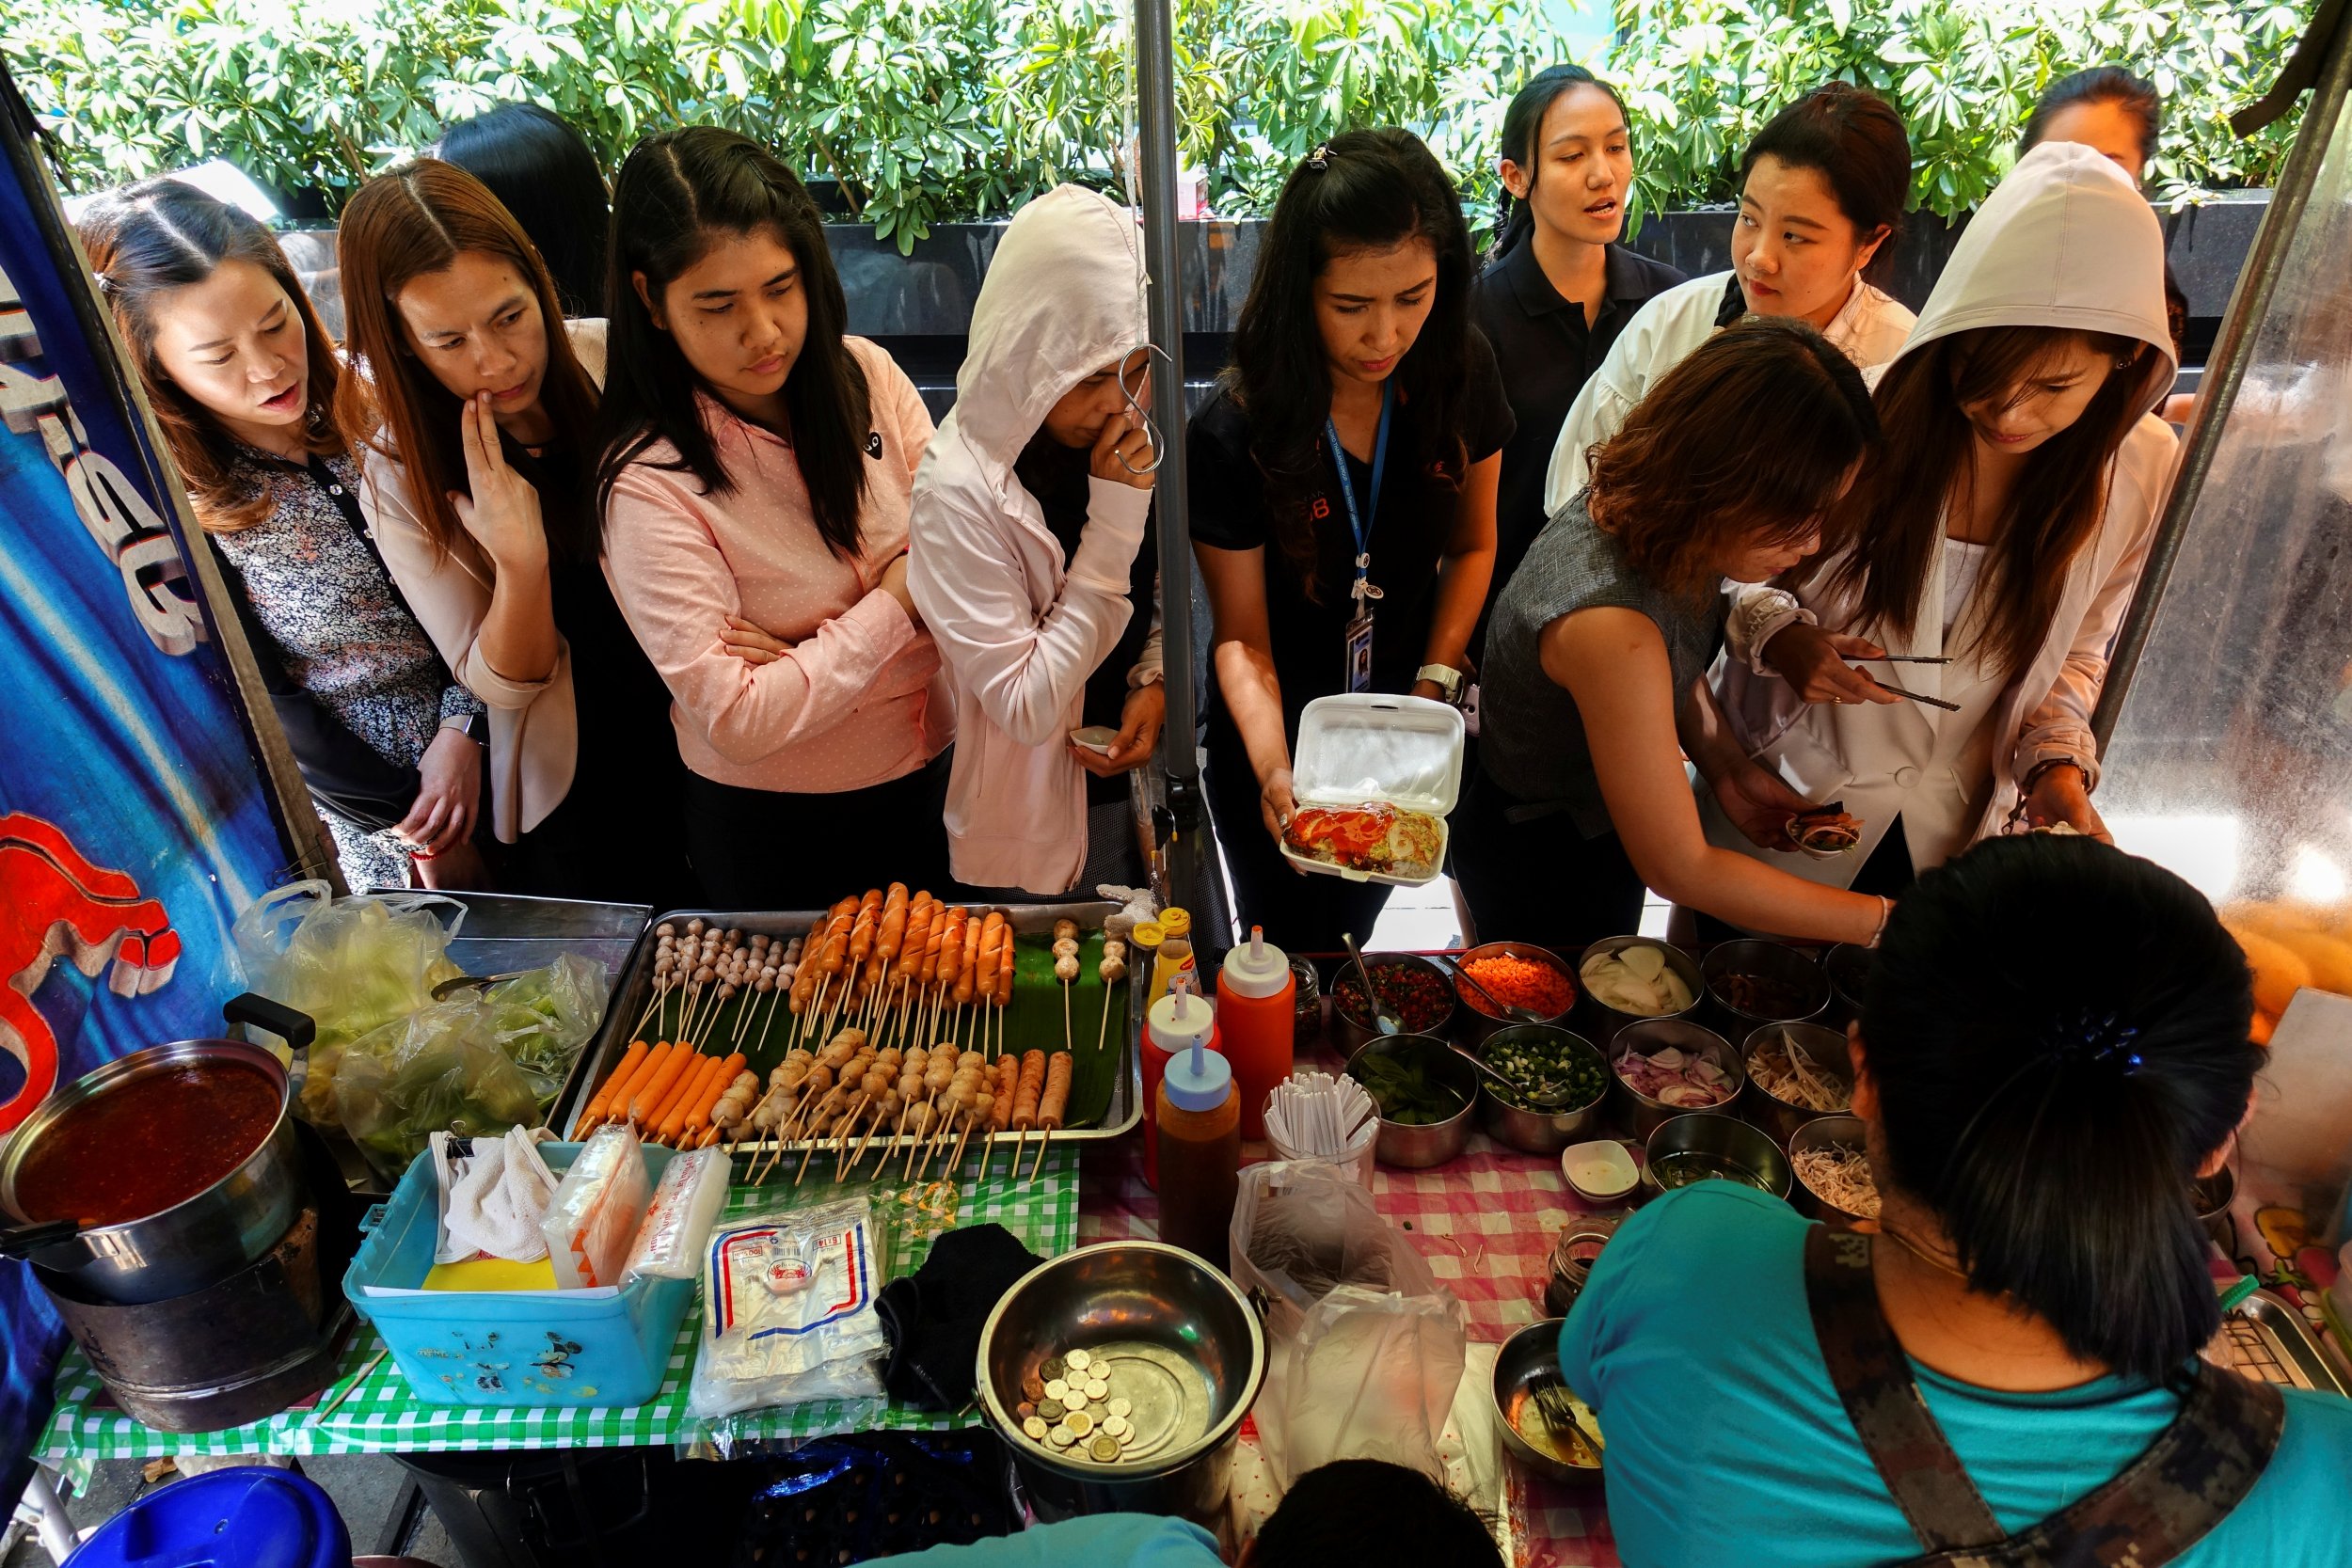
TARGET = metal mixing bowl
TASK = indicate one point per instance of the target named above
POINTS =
(1529, 1360)
(1181, 1345)
(1601, 1023)
(1827, 1046)
(1848, 966)
(1768, 960)
(2212, 1195)
(1472, 1023)
(1418, 1148)
(1726, 1138)
(1637, 1112)
(1844, 1130)
(1353, 1034)
(1540, 1132)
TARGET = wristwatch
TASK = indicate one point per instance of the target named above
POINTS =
(1445, 678)
(463, 723)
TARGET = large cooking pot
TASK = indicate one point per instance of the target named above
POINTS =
(199, 1240)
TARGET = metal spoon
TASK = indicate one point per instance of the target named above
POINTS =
(1382, 1019)
(1502, 1009)
(1546, 1100)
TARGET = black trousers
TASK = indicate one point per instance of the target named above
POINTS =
(1542, 880)
(1301, 912)
(765, 849)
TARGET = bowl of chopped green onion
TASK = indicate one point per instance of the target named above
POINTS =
(1425, 1091)
(1561, 1081)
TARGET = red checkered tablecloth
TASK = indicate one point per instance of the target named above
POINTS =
(1486, 1222)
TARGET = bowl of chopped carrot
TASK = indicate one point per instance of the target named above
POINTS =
(1517, 974)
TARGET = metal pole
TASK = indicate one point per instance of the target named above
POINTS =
(1155, 114)
(2257, 283)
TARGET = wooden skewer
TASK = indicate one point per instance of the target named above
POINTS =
(1042, 1144)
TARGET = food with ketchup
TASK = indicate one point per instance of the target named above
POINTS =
(1375, 837)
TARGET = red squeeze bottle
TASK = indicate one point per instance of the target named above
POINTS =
(1175, 1022)
(1254, 1014)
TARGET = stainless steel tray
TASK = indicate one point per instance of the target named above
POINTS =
(2270, 1342)
(636, 989)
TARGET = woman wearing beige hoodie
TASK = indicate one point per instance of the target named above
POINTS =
(1026, 548)
(1998, 535)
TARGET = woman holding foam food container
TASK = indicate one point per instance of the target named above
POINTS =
(1342, 501)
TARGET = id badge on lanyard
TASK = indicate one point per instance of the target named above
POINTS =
(1361, 592)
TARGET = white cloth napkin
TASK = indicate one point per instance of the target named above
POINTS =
(494, 1199)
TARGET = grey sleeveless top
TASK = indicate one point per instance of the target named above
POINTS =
(1531, 738)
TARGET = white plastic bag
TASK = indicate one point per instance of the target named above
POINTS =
(789, 1310)
(686, 1204)
(1302, 1227)
(596, 1209)
(1370, 1375)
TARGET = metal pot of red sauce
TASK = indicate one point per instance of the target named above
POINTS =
(162, 1173)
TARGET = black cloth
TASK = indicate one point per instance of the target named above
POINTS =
(934, 1315)
(1541, 880)
(1410, 525)
(768, 849)
(1547, 353)
(1057, 477)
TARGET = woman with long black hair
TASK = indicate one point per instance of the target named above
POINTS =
(1342, 492)
(2053, 1046)
(1559, 287)
(758, 464)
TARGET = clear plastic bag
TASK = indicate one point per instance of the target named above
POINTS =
(685, 1207)
(475, 1064)
(1371, 1374)
(1303, 1227)
(597, 1210)
(353, 964)
(789, 1310)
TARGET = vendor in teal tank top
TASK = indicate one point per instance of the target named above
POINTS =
(1594, 689)
(2053, 1046)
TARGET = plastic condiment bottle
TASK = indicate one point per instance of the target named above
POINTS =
(1177, 1021)
(1254, 1014)
(1199, 1121)
(1143, 958)
(1175, 955)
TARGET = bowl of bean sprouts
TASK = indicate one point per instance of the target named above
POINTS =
(1799, 1071)
(1834, 1181)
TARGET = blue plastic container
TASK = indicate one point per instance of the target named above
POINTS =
(248, 1517)
(460, 1348)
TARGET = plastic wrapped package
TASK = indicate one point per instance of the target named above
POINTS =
(597, 1210)
(686, 1204)
(1303, 1227)
(353, 964)
(475, 1064)
(789, 1310)
(1371, 1375)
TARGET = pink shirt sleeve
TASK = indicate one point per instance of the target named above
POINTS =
(675, 589)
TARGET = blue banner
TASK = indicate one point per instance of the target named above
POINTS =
(134, 818)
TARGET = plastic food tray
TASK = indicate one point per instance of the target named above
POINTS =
(506, 1348)
(1123, 1111)
(1362, 747)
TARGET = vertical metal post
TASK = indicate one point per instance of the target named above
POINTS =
(1155, 114)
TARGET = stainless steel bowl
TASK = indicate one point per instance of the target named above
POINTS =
(1768, 960)
(1726, 1138)
(197, 1242)
(1848, 966)
(1472, 1023)
(1184, 1348)
(1782, 1118)
(1540, 1132)
(1601, 1023)
(1353, 1034)
(1529, 1360)
(1637, 1112)
(1844, 1130)
(2212, 1195)
(1419, 1147)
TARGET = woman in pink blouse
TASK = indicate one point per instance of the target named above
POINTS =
(757, 468)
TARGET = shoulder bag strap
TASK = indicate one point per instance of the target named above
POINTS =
(1874, 1379)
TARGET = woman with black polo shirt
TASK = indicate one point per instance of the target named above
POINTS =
(1559, 288)
(1344, 471)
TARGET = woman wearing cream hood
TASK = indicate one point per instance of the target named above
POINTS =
(2001, 529)
(1028, 551)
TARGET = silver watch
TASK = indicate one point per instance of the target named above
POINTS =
(463, 724)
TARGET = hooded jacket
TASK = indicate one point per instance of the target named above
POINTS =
(1018, 629)
(2066, 241)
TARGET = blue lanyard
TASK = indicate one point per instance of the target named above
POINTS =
(1361, 523)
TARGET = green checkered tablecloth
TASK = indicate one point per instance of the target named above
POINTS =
(382, 1414)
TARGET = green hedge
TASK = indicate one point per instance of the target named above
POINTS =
(934, 110)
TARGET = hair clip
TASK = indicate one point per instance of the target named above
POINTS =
(1320, 159)
(105, 284)
(2096, 1041)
